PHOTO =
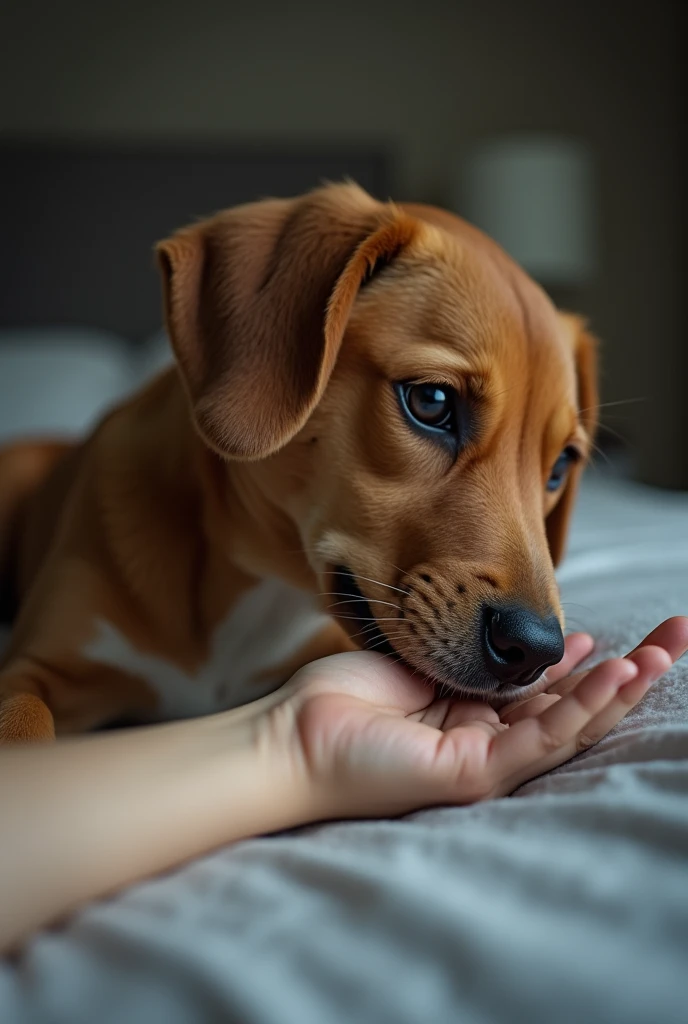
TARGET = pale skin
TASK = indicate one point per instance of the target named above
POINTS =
(352, 735)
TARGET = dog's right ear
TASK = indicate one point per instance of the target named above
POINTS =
(584, 351)
(256, 303)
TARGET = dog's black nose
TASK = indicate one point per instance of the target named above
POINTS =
(518, 645)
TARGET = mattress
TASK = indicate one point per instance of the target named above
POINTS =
(566, 902)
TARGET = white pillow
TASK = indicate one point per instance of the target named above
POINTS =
(60, 380)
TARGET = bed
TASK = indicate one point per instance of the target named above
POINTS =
(565, 902)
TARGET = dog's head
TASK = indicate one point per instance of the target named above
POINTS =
(414, 404)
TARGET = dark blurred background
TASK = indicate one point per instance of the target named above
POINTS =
(556, 125)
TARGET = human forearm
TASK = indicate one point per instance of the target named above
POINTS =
(350, 735)
(116, 807)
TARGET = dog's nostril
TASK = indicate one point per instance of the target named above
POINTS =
(513, 655)
(518, 645)
(503, 643)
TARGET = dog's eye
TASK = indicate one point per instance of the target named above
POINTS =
(561, 468)
(431, 405)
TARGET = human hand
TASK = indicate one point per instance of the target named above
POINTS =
(653, 655)
(372, 739)
(352, 735)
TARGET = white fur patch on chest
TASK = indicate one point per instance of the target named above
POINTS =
(265, 628)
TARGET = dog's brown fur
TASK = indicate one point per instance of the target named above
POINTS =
(278, 450)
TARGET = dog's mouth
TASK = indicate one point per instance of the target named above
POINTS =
(355, 614)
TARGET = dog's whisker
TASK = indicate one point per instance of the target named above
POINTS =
(394, 660)
(594, 464)
(614, 433)
(577, 604)
(402, 572)
(369, 579)
(609, 405)
(379, 643)
(357, 600)
(603, 454)
(372, 618)
(374, 646)
(572, 617)
(366, 629)
(575, 627)
(371, 631)
(371, 644)
(308, 550)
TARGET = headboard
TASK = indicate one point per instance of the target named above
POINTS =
(79, 222)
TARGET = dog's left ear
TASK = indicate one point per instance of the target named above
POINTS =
(585, 355)
(256, 304)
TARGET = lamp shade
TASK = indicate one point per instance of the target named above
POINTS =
(535, 196)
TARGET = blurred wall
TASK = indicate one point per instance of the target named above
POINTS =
(427, 76)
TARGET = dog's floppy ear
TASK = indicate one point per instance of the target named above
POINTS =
(585, 355)
(256, 303)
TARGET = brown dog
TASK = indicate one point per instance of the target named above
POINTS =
(373, 438)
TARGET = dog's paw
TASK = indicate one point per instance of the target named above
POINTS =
(25, 718)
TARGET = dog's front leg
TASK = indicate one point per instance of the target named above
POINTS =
(24, 716)
(40, 699)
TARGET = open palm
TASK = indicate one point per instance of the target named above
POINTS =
(374, 739)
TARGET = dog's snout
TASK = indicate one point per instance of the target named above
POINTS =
(518, 644)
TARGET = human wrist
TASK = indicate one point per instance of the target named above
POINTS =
(264, 766)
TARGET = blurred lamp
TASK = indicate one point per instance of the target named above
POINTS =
(535, 196)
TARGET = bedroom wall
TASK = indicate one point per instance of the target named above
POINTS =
(429, 78)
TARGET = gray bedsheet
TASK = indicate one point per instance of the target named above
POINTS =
(567, 902)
